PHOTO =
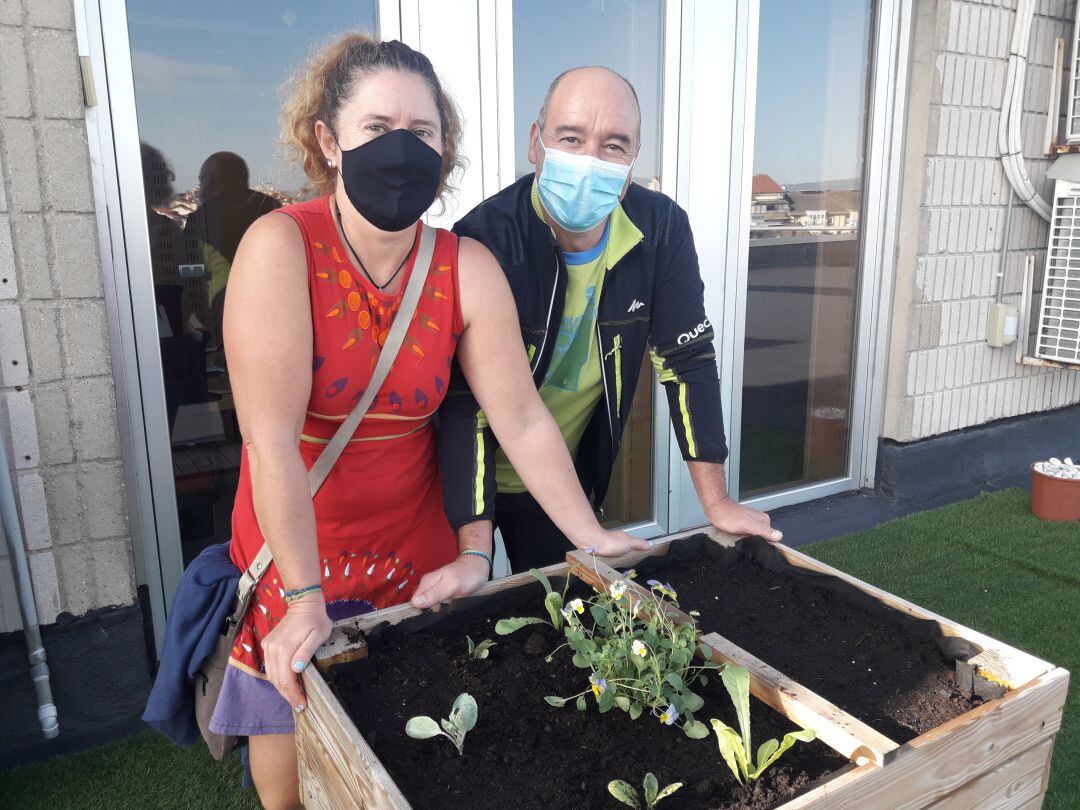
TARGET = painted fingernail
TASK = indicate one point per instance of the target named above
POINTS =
(651, 543)
(298, 666)
(299, 707)
(590, 550)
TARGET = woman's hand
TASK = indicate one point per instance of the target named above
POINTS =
(612, 544)
(288, 648)
(459, 578)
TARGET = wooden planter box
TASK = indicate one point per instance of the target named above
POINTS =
(996, 755)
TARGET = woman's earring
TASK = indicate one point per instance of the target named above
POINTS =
(330, 162)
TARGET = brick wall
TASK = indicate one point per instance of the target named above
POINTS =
(942, 375)
(57, 407)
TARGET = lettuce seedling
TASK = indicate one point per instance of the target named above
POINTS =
(734, 747)
(626, 793)
(462, 720)
(479, 651)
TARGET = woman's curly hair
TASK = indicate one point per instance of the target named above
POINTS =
(326, 81)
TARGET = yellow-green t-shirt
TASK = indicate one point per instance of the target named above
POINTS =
(574, 383)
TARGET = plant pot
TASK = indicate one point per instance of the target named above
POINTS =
(1054, 498)
(995, 754)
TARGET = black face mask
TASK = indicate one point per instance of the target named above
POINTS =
(391, 180)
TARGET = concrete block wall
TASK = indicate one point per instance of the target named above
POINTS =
(57, 406)
(942, 375)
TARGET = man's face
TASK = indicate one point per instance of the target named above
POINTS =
(592, 112)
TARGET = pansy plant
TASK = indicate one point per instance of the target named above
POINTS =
(639, 659)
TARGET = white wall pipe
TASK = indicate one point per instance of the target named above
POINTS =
(1010, 137)
(39, 670)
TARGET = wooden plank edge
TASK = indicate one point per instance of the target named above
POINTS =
(347, 635)
(836, 728)
(946, 758)
(1014, 782)
(323, 706)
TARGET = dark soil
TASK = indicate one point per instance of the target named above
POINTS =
(875, 663)
(524, 753)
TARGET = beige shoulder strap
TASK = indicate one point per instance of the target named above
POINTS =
(322, 466)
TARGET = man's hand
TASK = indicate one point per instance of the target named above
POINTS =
(734, 518)
(612, 544)
(459, 578)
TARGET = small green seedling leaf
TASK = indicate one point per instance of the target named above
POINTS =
(481, 650)
(624, 792)
(651, 789)
(422, 728)
(737, 681)
(505, 627)
(696, 730)
(542, 577)
(663, 794)
(806, 735)
(731, 749)
(557, 702)
(580, 703)
(463, 714)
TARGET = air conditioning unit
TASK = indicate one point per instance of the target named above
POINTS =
(1057, 336)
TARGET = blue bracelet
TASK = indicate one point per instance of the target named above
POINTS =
(292, 595)
(475, 552)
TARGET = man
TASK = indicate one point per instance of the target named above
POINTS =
(602, 270)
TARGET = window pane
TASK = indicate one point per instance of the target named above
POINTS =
(207, 81)
(813, 63)
(551, 36)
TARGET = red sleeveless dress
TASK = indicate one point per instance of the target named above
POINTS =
(379, 515)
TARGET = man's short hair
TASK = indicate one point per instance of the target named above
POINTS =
(542, 115)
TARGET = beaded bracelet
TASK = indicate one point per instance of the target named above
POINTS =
(475, 552)
(299, 593)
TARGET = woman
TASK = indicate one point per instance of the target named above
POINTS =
(312, 294)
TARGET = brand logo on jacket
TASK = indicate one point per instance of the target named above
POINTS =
(634, 307)
(686, 337)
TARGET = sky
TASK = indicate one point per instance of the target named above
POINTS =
(208, 75)
(811, 89)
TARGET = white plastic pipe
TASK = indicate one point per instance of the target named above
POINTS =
(39, 670)
(1010, 137)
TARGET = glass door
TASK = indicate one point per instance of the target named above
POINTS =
(630, 37)
(803, 276)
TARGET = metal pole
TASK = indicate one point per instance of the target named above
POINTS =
(39, 670)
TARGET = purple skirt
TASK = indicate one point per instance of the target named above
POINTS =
(249, 704)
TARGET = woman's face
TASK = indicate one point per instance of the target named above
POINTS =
(382, 102)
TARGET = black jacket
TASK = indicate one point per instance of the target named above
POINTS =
(653, 297)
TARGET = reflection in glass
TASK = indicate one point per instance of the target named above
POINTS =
(207, 78)
(551, 36)
(804, 242)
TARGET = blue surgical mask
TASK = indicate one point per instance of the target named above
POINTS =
(579, 191)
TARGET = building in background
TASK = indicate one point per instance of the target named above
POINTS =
(853, 228)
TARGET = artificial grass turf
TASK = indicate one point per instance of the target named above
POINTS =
(992, 565)
(987, 563)
(144, 771)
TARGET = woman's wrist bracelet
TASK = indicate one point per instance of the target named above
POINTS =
(475, 552)
(299, 593)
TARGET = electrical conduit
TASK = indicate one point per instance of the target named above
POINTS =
(39, 670)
